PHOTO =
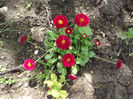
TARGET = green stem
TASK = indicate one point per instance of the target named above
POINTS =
(36, 46)
(93, 40)
(105, 60)
(44, 54)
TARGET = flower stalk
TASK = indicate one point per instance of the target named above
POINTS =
(105, 60)
(36, 46)
(44, 54)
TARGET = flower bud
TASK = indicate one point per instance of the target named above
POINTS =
(70, 47)
(59, 57)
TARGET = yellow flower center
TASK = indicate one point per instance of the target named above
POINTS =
(97, 43)
(29, 64)
(63, 42)
(68, 31)
(84, 35)
(60, 22)
(81, 20)
(68, 60)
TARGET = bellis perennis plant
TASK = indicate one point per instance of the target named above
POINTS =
(72, 44)
(71, 47)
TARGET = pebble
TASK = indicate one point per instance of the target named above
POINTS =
(3, 9)
(36, 52)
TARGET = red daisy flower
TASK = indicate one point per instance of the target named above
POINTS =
(72, 77)
(48, 88)
(60, 21)
(84, 35)
(23, 39)
(68, 60)
(81, 20)
(119, 63)
(29, 64)
(97, 43)
(68, 30)
(63, 42)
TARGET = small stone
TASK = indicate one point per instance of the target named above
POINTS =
(3, 9)
(38, 33)
(91, 72)
(0, 66)
(36, 52)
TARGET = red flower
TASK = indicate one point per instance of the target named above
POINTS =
(119, 63)
(68, 30)
(60, 21)
(29, 64)
(23, 39)
(48, 88)
(63, 42)
(97, 43)
(72, 77)
(84, 35)
(81, 20)
(68, 60)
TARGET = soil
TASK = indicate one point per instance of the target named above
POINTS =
(98, 79)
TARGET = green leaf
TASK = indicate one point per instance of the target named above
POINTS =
(48, 56)
(54, 93)
(49, 83)
(62, 52)
(74, 69)
(53, 77)
(78, 61)
(131, 54)
(52, 34)
(86, 30)
(50, 62)
(123, 35)
(106, 1)
(91, 54)
(77, 36)
(90, 46)
(62, 79)
(85, 42)
(84, 57)
(76, 43)
(131, 30)
(62, 31)
(59, 70)
(130, 33)
(57, 85)
(75, 28)
(84, 49)
(64, 71)
(59, 65)
(63, 94)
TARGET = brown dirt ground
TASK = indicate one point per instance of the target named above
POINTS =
(98, 79)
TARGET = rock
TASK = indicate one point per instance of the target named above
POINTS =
(82, 88)
(38, 33)
(3, 9)
(2, 86)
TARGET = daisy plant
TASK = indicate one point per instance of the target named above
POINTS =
(72, 45)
